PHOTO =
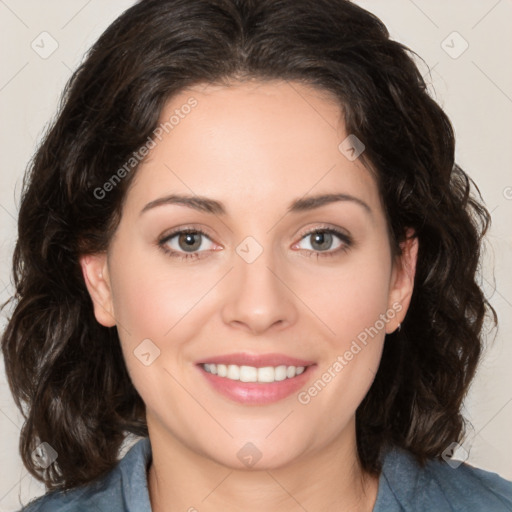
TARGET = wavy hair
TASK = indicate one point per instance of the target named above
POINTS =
(66, 371)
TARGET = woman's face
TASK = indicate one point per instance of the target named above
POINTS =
(259, 290)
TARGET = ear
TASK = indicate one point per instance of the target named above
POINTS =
(402, 280)
(95, 272)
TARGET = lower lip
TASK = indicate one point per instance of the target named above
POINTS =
(257, 393)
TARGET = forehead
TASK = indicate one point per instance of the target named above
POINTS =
(249, 142)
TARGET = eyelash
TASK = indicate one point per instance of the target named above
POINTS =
(346, 239)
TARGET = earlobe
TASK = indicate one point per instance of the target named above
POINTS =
(96, 278)
(403, 279)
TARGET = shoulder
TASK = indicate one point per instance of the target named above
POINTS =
(124, 488)
(439, 486)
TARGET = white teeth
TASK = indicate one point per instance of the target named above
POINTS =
(248, 374)
(253, 374)
(233, 372)
(280, 373)
(266, 374)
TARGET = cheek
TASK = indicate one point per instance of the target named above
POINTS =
(151, 295)
(350, 297)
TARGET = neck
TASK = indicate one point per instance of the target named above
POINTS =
(330, 479)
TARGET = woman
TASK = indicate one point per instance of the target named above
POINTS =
(165, 284)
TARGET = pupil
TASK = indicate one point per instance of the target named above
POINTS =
(320, 238)
(189, 240)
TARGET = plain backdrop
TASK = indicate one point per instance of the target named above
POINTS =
(467, 46)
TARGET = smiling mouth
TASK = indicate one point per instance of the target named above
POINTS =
(256, 379)
(266, 374)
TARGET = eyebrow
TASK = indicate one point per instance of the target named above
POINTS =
(207, 205)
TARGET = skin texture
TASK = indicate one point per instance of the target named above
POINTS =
(255, 147)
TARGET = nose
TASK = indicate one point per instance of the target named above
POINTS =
(259, 295)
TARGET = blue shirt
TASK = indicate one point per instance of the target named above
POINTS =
(403, 487)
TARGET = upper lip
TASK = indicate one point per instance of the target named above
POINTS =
(256, 360)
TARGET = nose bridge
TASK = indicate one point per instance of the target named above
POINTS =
(257, 297)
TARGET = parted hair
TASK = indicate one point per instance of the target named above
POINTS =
(66, 371)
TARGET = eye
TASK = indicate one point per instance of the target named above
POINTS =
(322, 240)
(187, 241)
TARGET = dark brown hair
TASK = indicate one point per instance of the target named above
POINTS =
(68, 371)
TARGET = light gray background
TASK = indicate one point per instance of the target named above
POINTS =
(475, 89)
